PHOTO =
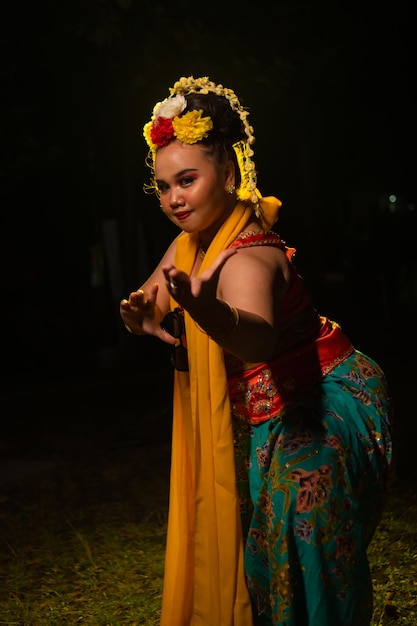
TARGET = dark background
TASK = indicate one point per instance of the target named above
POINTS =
(330, 86)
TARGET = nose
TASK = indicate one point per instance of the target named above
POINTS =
(175, 198)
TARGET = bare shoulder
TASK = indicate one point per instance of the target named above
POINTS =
(258, 258)
(255, 269)
(170, 253)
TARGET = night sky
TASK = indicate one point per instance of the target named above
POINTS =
(331, 94)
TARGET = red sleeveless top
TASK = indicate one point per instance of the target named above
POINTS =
(309, 347)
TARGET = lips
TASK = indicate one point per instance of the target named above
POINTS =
(182, 215)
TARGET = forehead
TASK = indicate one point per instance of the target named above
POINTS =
(177, 156)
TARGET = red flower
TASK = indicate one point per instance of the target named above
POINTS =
(162, 131)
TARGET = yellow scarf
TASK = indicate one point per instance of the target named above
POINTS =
(204, 582)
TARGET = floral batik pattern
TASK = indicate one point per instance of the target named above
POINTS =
(311, 482)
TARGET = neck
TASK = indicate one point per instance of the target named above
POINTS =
(253, 225)
(206, 236)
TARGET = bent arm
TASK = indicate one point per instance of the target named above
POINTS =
(253, 283)
(144, 309)
(236, 301)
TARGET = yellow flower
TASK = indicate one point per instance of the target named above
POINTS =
(147, 134)
(192, 127)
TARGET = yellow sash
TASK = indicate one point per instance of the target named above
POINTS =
(204, 581)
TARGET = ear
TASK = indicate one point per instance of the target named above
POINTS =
(230, 177)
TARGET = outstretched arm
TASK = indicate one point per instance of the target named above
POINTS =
(235, 301)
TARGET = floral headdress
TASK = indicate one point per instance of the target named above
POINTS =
(167, 122)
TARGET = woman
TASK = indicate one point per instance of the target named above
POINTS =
(281, 443)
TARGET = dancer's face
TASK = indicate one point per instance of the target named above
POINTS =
(192, 187)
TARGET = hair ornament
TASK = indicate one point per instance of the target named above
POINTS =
(168, 122)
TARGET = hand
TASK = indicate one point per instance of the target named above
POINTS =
(197, 291)
(141, 315)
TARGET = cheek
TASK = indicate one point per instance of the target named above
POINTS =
(164, 205)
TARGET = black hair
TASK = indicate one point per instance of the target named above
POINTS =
(227, 129)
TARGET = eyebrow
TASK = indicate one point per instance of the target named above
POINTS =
(179, 174)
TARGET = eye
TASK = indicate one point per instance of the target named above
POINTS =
(186, 181)
(162, 187)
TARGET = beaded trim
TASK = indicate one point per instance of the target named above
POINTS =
(337, 361)
(253, 238)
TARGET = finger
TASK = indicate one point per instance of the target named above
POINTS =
(172, 285)
(166, 337)
(196, 286)
(126, 308)
(222, 258)
(218, 264)
(140, 296)
(151, 300)
(168, 271)
(137, 297)
(170, 278)
(177, 281)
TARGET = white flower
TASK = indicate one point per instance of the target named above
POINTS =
(170, 107)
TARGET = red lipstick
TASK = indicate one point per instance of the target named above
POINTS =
(182, 215)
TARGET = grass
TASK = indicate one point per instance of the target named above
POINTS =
(83, 541)
(393, 559)
(85, 544)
